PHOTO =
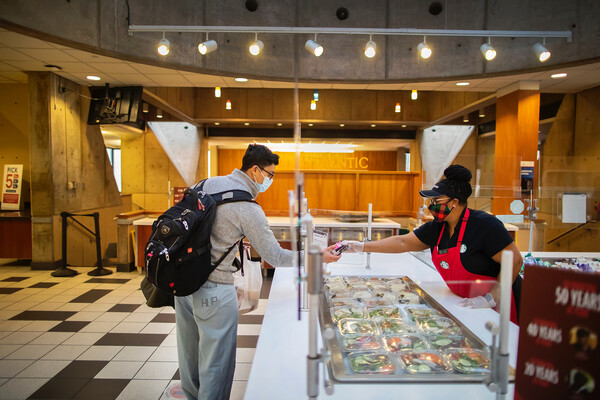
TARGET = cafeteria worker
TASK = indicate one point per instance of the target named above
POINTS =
(466, 244)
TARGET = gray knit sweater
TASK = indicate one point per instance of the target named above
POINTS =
(236, 220)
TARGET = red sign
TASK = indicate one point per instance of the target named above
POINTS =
(558, 354)
(178, 194)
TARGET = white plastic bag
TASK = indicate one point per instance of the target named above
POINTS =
(248, 286)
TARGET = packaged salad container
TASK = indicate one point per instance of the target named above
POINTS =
(468, 361)
(407, 297)
(358, 286)
(377, 303)
(354, 279)
(384, 294)
(393, 326)
(371, 363)
(355, 342)
(341, 302)
(384, 312)
(336, 286)
(421, 311)
(424, 362)
(339, 313)
(443, 342)
(438, 326)
(378, 286)
(362, 295)
(414, 341)
(337, 294)
(350, 326)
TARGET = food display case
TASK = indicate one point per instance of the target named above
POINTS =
(388, 329)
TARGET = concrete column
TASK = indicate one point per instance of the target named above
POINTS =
(517, 127)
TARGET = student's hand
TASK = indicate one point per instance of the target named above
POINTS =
(354, 246)
(328, 256)
(486, 301)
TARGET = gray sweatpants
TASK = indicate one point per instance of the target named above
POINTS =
(206, 341)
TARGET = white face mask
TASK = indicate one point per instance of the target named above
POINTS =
(267, 181)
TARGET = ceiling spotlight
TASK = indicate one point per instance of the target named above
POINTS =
(247, 123)
(145, 108)
(313, 105)
(481, 112)
(424, 49)
(541, 52)
(163, 46)
(207, 47)
(310, 124)
(228, 105)
(373, 125)
(398, 108)
(217, 91)
(279, 124)
(159, 113)
(404, 126)
(314, 47)
(370, 48)
(342, 125)
(217, 123)
(466, 118)
(488, 51)
(560, 75)
(414, 95)
(462, 83)
(241, 79)
(256, 46)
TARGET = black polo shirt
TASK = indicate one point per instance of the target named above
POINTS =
(484, 237)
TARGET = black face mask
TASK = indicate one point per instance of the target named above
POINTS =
(440, 211)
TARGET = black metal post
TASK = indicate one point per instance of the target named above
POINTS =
(63, 270)
(99, 271)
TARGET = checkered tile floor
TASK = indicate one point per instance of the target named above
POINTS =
(90, 338)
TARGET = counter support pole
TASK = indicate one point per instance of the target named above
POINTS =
(505, 300)
(314, 283)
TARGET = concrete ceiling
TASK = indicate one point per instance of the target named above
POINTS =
(20, 53)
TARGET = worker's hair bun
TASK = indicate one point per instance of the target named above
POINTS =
(458, 173)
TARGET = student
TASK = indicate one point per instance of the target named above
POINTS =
(207, 319)
(466, 245)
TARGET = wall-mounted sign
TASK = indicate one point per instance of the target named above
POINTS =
(11, 186)
(558, 354)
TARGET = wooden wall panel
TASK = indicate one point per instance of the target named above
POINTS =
(330, 191)
(207, 105)
(364, 105)
(259, 104)
(387, 192)
(386, 102)
(283, 104)
(338, 105)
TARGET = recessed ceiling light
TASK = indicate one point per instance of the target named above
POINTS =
(279, 124)
(246, 123)
(93, 78)
(241, 79)
(462, 83)
(404, 126)
(342, 125)
(373, 125)
(217, 123)
(310, 124)
(561, 75)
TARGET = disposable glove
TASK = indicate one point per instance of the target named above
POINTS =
(486, 301)
(353, 246)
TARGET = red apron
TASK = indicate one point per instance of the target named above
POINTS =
(458, 279)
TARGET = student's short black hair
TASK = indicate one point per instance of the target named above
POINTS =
(257, 154)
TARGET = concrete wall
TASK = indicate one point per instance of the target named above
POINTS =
(14, 132)
(102, 27)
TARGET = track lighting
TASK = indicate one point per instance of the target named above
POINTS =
(370, 48)
(488, 51)
(424, 49)
(414, 95)
(541, 52)
(256, 46)
(163, 46)
(207, 47)
(314, 47)
(218, 91)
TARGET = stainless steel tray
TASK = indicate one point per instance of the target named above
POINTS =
(339, 369)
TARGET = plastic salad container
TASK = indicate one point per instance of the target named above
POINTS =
(370, 303)
(339, 313)
(350, 325)
(362, 294)
(341, 302)
(335, 294)
(371, 363)
(394, 343)
(384, 294)
(356, 286)
(407, 297)
(468, 361)
(424, 362)
(384, 312)
(438, 326)
(394, 326)
(422, 311)
(442, 342)
(353, 342)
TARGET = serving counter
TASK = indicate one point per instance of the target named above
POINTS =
(279, 366)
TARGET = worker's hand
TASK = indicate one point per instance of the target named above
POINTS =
(329, 256)
(354, 246)
(486, 301)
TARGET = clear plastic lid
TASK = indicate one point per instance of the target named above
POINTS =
(354, 279)
(438, 326)
(371, 363)
(384, 294)
(355, 342)
(398, 286)
(442, 342)
(331, 279)
(377, 302)
(384, 312)
(421, 311)
(357, 286)
(362, 295)
(393, 326)
(414, 341)
(339, 313)
(336, 285)
(424, 362)
(341, 302)
(338, 294)
(468, 361)
(407, 297)
(363, 326)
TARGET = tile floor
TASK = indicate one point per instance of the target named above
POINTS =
(86, 337)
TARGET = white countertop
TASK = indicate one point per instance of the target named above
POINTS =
(279, 366)
(335, 223)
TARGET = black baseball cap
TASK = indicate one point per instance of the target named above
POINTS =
(442, 188)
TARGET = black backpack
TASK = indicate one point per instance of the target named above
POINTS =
(177, 255)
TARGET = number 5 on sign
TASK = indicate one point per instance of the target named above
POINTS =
(11, 189)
